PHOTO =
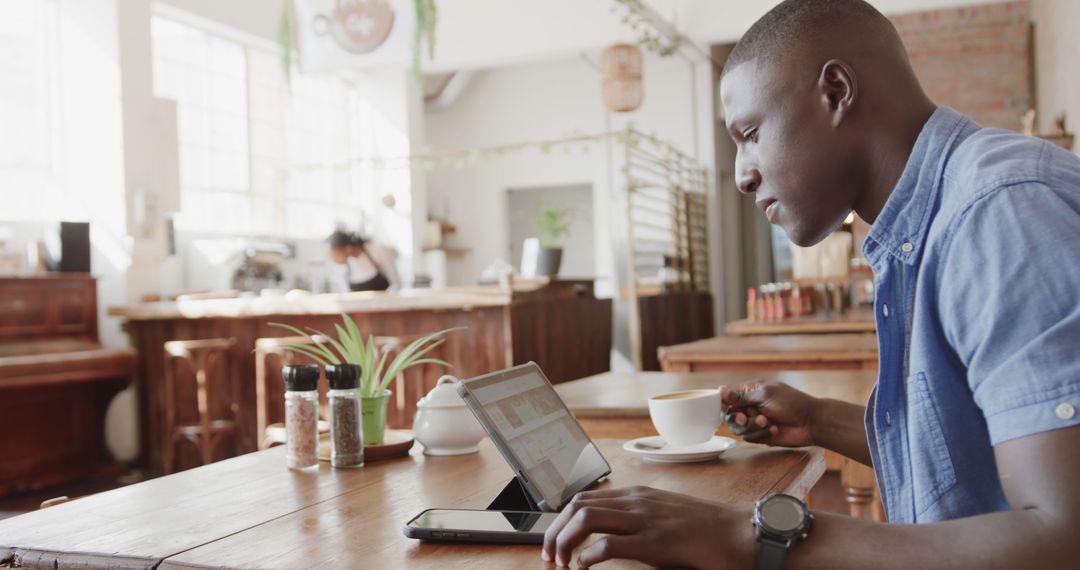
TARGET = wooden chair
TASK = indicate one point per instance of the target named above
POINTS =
(204, 359)
(54, 501)
(272, 353)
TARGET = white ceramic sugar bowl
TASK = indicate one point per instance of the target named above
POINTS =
(443, 425)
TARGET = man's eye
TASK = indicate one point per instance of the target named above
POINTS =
(751, 135)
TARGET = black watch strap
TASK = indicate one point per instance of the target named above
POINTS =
(771, 554)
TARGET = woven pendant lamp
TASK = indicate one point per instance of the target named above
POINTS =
(620, 67)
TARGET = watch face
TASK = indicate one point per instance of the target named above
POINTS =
(782, 514)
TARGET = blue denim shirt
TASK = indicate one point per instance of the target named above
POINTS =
(976, 259)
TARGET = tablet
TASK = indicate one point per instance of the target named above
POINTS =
(539, 437)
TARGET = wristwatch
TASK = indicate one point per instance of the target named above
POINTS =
(781, 522)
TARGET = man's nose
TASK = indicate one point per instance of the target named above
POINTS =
(747, 180)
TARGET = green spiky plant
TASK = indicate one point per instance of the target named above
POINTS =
(350, 347)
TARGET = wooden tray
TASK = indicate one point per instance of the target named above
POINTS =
(396, 443)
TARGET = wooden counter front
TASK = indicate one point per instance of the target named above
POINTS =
(569, 338)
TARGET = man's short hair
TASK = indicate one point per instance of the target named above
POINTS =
(793, 22)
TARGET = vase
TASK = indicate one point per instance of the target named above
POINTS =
(548, 261)
(373, 417)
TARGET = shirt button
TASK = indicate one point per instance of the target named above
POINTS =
(884, 310)
(907, 247)
(1065, 411)
(888, 418)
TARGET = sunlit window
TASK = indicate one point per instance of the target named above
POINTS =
(29, 121)
(245, 133)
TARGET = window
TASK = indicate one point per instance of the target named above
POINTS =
(29, 125)
(249, 137)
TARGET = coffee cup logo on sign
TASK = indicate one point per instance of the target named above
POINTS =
(358, 26)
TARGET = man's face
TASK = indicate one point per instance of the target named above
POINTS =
(790, 157)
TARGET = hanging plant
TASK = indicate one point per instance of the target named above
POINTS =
(647, 36)
(285, 40)
(427, 15)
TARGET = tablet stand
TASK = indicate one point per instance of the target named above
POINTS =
(514, 497)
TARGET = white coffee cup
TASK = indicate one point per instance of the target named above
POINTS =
(688, 417)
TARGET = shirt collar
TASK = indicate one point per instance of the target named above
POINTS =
(900, 228)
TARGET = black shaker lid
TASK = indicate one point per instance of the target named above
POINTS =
(301, 377)
(343, 376)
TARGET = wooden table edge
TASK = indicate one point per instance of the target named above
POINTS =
(733, 329)
(51, 559)
(701, 357)
(800, 478)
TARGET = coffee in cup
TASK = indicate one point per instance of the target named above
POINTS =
(687, 417)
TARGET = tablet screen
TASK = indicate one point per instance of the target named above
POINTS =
(535, 427)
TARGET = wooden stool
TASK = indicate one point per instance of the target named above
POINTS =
(199, 356)
(860, 490)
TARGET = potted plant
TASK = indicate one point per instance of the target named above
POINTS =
(551, 224)
(377, 370)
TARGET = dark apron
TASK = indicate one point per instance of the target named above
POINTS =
(377, 283)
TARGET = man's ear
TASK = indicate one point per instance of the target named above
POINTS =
(838, 89)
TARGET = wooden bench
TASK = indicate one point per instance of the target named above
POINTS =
(56, 381)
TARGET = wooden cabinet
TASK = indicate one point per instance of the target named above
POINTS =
(56, 381)
(40, 307)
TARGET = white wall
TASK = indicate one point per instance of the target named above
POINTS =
(543, 101)
(1057, 49)
(483, 33)
(92, 166)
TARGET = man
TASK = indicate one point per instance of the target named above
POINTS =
(975, 245)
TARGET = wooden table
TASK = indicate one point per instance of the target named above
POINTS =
(768, 353)
(860, 320)
(251, 512)
(615, 405)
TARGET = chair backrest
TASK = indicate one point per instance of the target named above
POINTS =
(410, 385)
(210, 357)
(271, 354)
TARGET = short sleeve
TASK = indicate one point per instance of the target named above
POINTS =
(1009, 300)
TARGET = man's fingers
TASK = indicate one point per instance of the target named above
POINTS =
(592, 519)
(758, 436)
(605, 498)
(612, 547)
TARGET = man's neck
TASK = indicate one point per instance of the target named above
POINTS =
(889, 157)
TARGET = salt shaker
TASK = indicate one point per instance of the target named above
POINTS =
(346, 431)
(301, 416)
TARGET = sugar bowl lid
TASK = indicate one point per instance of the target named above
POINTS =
(443, 395)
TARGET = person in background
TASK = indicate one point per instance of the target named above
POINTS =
(973, 428)
(368, 266)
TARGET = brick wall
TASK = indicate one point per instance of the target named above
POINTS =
(975, 59)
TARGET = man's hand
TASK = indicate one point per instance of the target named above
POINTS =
(770, 413)
(777, 414)
(652, 526)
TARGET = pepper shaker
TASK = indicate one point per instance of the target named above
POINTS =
(346, 431)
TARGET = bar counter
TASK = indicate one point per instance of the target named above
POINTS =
(560, 325)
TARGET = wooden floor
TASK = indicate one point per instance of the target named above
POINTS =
(17, 504)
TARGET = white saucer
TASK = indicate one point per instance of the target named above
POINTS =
(678, 453)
